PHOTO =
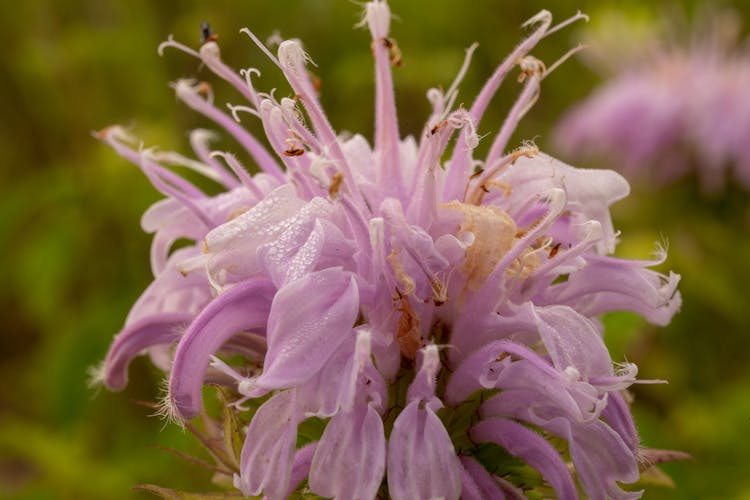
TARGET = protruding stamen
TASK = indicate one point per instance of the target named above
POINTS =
(565, 57)
(240, 171)
(540, 19)
(170, 42)
(461, 158)
(524, 102)
(493, 291)
(176, 159)
(163, 179)
(333, 189)
(188, 92)
(408, 336)
(115, 133)
(301, 85)
(577, 17)
(236, 109)
(484, 176)
(442, 103)
(199, 141)
(378, 19)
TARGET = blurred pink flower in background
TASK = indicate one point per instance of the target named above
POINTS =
(669, 105)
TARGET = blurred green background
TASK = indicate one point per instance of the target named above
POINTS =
(74, 258)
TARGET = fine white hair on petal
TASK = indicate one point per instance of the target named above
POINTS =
(377, 17)
(293, 57)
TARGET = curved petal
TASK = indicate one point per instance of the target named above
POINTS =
(173, 291)
(152, 330)
(267, 454)
(421, 460)
(294, 253)
(478, 484)
(590, 192)
(232, 246)
(617, 414)
(532, 448)
(243, 307)
(301, 467)
(348, 375)
(482, 369)
(572, 340)
(350, 459)
(309, 319)
(610, 284)
(601, 458)
(332, 388)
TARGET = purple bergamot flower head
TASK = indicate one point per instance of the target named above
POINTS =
(675, 106)
(425, 307)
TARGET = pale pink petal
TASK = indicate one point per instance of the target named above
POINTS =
(572, 340)
(137, 336)
(350, 459)
(301, 467)
(244, 307)
(532, 448)
(268, 452)
(309, 319)
(421, 460)
(478, 484)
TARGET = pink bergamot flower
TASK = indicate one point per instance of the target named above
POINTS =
(435, 311)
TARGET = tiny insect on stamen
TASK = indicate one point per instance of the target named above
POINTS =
(207, 34)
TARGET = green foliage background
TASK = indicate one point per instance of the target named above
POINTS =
(74, 258)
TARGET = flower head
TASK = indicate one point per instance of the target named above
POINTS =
(423, 308)
(680, 105)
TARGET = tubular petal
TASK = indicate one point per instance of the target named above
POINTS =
(268, 453)
(526, 444)
(350, 459)
(421, 460)
(146, 332)
(243, 307)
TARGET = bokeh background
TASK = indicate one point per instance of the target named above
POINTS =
(74, 258)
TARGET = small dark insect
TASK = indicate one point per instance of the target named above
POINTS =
(394, 53)
(478, 170)
(554, 251)
(336, 181)
(434, 130)
(294, 151)
(207, 34)
(317, 83)
(204, 88)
